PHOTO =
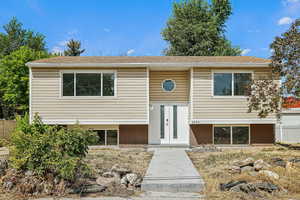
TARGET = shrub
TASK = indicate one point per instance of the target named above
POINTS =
(49, 149)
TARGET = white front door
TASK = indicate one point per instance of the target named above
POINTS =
(169, 124)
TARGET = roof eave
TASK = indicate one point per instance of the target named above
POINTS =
(179, 64)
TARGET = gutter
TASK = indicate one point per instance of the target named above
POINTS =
(179, 65)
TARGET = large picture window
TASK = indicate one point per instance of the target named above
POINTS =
(231, 84)
(88, 84)
(231, 134)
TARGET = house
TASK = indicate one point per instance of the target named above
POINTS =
(153, 99)
(288, 127)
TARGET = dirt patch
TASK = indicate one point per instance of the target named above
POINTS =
(213, 166)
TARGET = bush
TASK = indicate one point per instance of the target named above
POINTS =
(49, 149)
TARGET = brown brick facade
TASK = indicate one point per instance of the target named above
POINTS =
(133, 134)
(201, 134)
(262, 134)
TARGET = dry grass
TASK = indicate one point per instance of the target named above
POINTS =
(137, 160)
(212, 167)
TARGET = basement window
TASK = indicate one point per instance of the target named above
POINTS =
(236, 134)
(107, 137)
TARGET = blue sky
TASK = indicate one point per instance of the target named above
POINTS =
(133, 27)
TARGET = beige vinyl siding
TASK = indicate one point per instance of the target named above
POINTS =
(181, 92)
(205, 106)
(130, 103)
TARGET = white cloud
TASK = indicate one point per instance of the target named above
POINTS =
(291, 7)
(63, 43)
(291, 1)
(107, 30)
(245, 51)
(130, 51)
(57, 49)
(73, 32)
(284, 21)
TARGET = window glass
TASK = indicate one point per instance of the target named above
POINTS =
(108, 84)
(241, 83)
(88, 84)
(222, 135)
(68, 84)
(222, 84)
(175, 122)
(162, 121)
(112, 137)
(240, 135)
(168, 85)
(101, 137)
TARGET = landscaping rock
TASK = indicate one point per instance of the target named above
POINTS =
(124, 181)
(269, 174)
(91, 188)
(8, 185)
(261, 165)
(295, 160)
(28, 173)
(234, 169)
(267, 187)
(247, 162)
(105, 181)
(119, 172)
(206, 149)
(247, 169)
(278, 162)
(244, 187)
(3, 166)
(229, 185)
(133, 179)
(108, 175)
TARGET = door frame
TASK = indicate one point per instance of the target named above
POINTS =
(168, 103)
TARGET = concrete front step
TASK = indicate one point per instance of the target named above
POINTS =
(171, 170)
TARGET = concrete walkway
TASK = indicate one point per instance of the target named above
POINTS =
(144, 196)
(171, 170)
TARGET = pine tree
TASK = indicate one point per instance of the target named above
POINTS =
(74, 48)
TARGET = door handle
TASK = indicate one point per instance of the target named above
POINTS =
(167, 120)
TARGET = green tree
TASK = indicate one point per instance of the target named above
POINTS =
(16, 36)
(267, 96)
(197, 28)
(14, 80)
(74, 48)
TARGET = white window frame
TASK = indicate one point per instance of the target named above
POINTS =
(88, 72)
(231, 139)
(105, 136)
(232, 72)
